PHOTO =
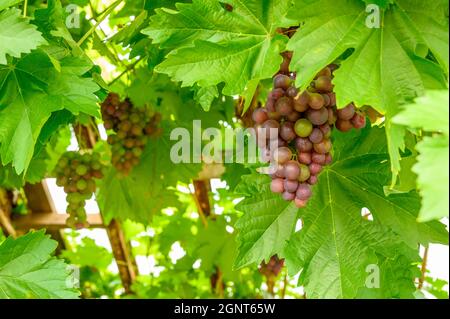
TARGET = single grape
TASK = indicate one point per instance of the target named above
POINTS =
(304, 191)
(300, 203)
(288, 196)
(293, 117)
(284, 106)
(303, 144)
(276, 94)
(277, 185)
(316, 101)
(316, 136)
(281, 81)
(358, 120)
(290, 186)
(270, 128)
(315, 168)
(323, 84)
(344, 125)
(292, 170)
(304, 173)
(287, 132)
(81, 170)
(324, 72)
(301, 102)
(312, 180)
(82, 185)
(282, 155)
(304, 158)
(292, 91)
(318, 158)
(260, 116)
(323, 147)
(317, 117)
(303, 127)
(347, 112)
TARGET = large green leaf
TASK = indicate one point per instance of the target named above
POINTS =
(27, 269)
(430, 113)
(17, 36)
(388, 65)
(335, 244)
(214, 45)
(30, 91)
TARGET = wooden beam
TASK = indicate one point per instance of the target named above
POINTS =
(39, 198)
(51, 221)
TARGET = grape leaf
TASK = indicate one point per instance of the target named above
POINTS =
(27, 269)
(267, 223)
(30, 91)
(430, 113)
(205, 96)
(88, 253)
(145, 191)
(17, 36)
(387, 66)
(8, 3)
(333, 242)
(213, 45)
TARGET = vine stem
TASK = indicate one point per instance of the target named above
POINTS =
(105, 14)
(423, 269)
(25, 6)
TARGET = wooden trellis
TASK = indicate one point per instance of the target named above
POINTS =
(43, 214)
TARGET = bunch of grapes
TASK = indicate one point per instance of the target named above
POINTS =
(272, 268)
(77, 173)
(304, 122)
(132, 127)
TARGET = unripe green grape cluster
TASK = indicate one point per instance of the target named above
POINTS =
(131, 127)
(304, 121)
(76, 173)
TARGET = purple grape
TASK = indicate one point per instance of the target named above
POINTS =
(315, 168)
(304, 158)
(281, 81)
(317, 117)
(260, 116)
(290, 186)
(303, 191)
(288, 196)
(287, 132)
(284, 106)
(293, 117)
(303, 144)
(347, 112)
(300, 203)
(312, 180)
(277, 185)
(282, 155)
(323, 147)
(316, 101)
(316, 136)
(292, 170)
(328, 159)
(292, 92)
(301, 102)
(318, 158)
(358, 121)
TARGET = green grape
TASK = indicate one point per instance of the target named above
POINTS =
(303, 127)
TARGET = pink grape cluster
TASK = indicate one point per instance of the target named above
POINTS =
(303, 122)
